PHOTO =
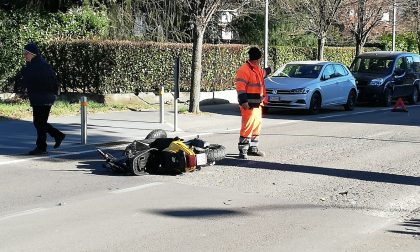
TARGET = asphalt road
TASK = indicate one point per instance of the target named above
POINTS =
(337, 181)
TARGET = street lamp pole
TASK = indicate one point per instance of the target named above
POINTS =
(266, 35)
(394, 24)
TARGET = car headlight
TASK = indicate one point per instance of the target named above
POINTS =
(376, 82)
(299, 91)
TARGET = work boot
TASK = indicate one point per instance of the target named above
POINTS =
(58, 140)
(37, 152)
(253, 151)
(243, 154)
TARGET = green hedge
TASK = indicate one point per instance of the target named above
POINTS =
(18, 27)
(93, 66)
(123, 66)
(101, 67)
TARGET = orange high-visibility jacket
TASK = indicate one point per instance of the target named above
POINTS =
(249, 84)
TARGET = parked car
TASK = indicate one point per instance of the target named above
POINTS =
(384, 76)
(311, 85)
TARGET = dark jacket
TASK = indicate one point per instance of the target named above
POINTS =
(40, 81)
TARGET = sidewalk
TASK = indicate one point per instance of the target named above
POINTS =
(19, 136)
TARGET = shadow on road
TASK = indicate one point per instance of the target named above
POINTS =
(197, 213)
(235, 211)
(333, 172)
(411, 227)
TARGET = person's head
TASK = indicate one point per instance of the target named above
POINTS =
(254, 55)
(30, 51)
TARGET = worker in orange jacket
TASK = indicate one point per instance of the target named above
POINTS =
(250, 87)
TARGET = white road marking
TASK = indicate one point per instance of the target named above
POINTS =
(136, 188)
(23, 213)
(363, 112)
(355, 113)
(37, 210)
(14, 161)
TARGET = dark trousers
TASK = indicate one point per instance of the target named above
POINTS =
(40, 119)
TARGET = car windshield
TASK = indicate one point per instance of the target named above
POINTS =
(372, 65)
(310, 71)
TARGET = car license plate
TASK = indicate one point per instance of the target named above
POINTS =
(274, 98)
(201, 159)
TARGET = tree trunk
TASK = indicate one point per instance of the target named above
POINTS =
(196, 70)
(418, 40)
(417, 7)
(321, 45)
(361, 11)
(358, 46)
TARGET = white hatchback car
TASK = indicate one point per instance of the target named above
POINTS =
(311, 85)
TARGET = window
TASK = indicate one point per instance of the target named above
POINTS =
(328, 72)
(372, 65)
(400, 64)
(410, 64)
(340, 71)
(299, 71)
(416, 63)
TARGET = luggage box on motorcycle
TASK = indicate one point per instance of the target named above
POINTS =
(201, 159)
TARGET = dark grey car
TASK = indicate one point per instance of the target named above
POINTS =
(384, 76)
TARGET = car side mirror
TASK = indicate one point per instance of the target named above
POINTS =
(326, 77)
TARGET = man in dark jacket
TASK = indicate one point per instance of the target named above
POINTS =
(40, 81)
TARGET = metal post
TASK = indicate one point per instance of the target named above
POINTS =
(83, 119)
(161, 102)
(175, 114)
(394, 24)
(177, 74)
(266, 35)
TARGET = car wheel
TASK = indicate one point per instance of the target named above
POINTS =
(315, 105)
(351, 101)
(387, 99)
(215, 152)
(414, 97)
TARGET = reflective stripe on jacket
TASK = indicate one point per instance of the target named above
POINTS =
(249, 84)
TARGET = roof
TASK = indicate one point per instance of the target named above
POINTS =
(311, 62)
(384, 54)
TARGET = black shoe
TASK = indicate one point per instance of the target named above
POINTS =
(58, 140)
(256, 153)
(37, 152)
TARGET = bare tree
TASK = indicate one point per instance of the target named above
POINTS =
(164, 20)
(202, 12)
(171, 19)
(416, 9)
(327, 12)
(412, 13)
(364, 16)
(320, 15)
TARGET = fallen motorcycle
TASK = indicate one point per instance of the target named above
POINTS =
(158, 154)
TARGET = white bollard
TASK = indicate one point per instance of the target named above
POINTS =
(161, 102)
(83, 119)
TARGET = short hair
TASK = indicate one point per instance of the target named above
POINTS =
(254, 53)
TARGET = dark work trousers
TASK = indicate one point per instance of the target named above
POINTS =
(40, 118)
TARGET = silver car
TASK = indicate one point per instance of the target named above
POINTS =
(311, 85)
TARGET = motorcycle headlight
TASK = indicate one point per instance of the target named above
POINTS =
(299, 91)
(376, 82)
